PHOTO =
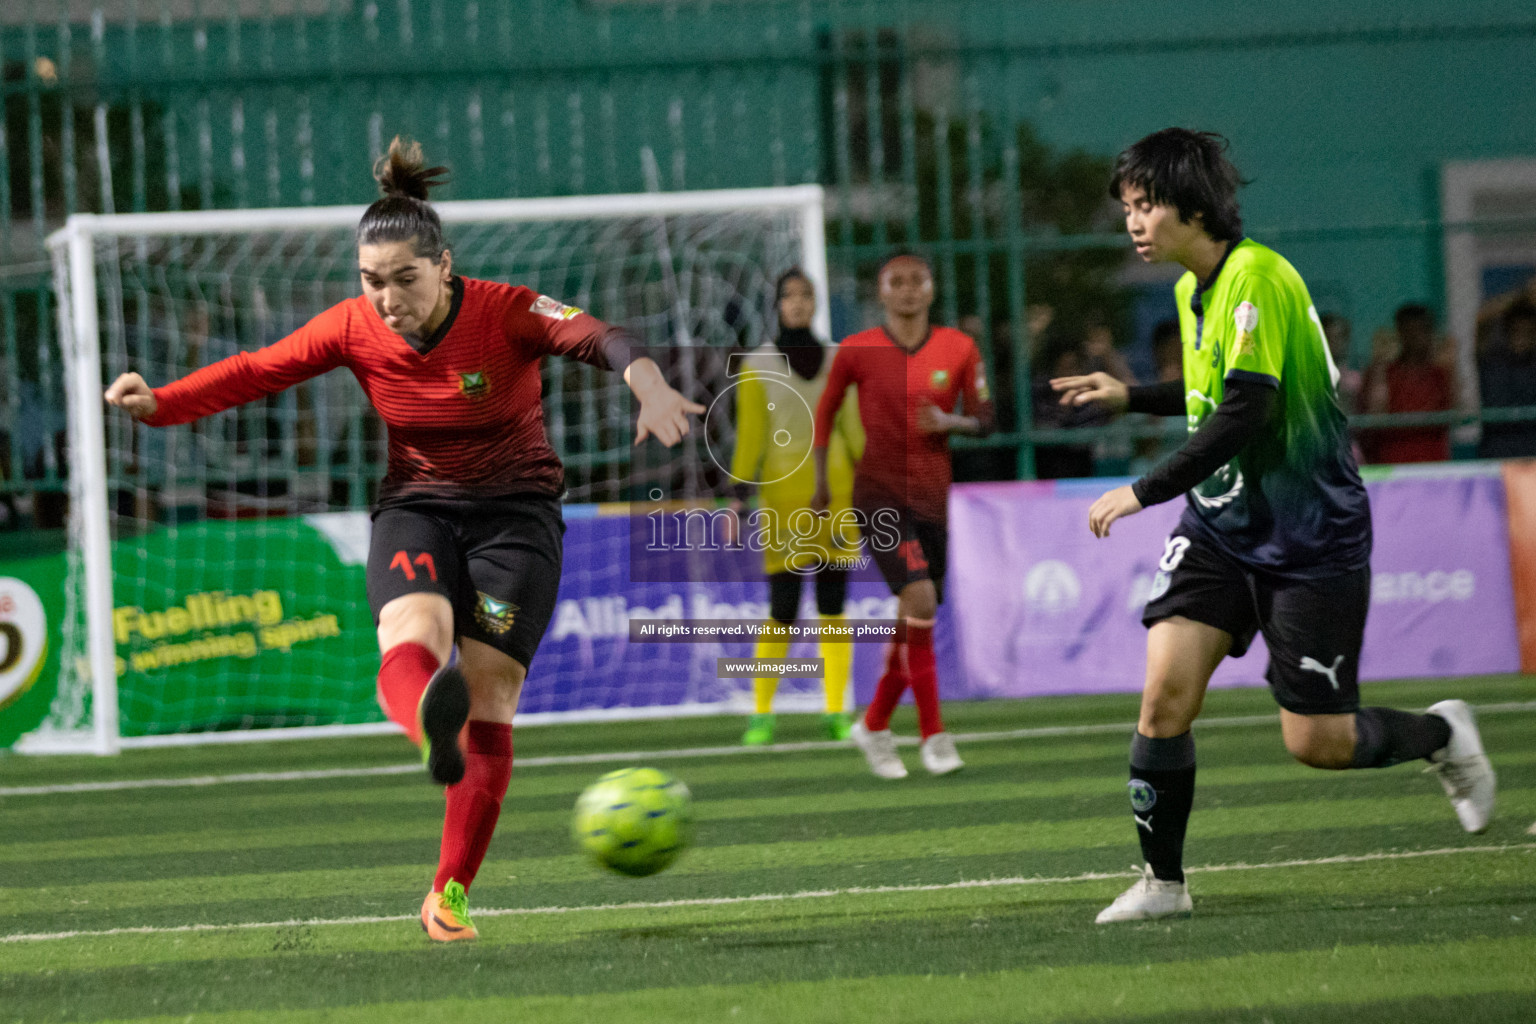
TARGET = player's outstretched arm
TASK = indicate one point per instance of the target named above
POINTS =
(1242, 414)
(135, 397)
(1093, 387)
(1112, 505)
(663, 410)
(839, 377)
(821, 500)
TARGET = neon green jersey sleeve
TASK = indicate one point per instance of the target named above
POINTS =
(1260, 325)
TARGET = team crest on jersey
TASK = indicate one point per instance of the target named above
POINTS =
(1246, 319)
(495, 617)
(553, 308)
(474, 385)
(1220, 489)
(939, 379)
(1198, 407)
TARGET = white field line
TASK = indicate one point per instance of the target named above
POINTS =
(643, 755)
(774, 897)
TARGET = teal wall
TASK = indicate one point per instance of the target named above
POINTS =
(1341, 113)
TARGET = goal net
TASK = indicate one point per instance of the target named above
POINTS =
(215, 582)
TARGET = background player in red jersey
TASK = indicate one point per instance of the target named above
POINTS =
(467, 534)
(909, 375)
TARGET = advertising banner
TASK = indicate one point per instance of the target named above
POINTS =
(1520, 494)
(589, 661)
(1044, 607)
(248, 624)
(240, 624)
(31, 616)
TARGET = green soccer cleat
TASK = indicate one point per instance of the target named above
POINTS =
(759, 731)
(836, 725)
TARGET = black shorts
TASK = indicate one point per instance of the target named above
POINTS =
(1313, 628)
(906, 547)
(496, 561)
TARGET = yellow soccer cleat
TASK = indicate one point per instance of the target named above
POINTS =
(445, 915)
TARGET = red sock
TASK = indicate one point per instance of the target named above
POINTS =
(925, 678)
(474, 803)
(403, 678)
(893, 683)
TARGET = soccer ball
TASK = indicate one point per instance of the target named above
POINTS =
(635, 820)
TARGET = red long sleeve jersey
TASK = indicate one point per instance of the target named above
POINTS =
(464, 416)
(901, 464)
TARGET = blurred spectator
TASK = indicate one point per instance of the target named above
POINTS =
(1507, 377)
(9, 520)
(1417, 379)
(1063, 359)
(1168, 351)
(1490, 316)
(1039, 318)
(1099, 352)
(41, 432)
(1168, 362)
(992, 462)
(1337, 330)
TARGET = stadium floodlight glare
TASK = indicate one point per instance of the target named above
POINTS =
(185, 542)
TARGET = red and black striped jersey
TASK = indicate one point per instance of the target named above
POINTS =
(464, 413)
(901, 464)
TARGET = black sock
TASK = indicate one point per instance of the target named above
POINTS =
(1162, 791)
(1384, 736)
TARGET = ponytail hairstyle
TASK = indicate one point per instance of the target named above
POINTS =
(404, 215)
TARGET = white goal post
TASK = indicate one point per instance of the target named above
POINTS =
(129, 287)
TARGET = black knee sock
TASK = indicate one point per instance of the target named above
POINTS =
(1384, 736)
(1162, 791)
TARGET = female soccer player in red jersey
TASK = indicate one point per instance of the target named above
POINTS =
(467, 534)
(909, 375)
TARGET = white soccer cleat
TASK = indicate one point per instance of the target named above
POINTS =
(879, 750)
(1150, 898)
(939, 755)
(1463, 767)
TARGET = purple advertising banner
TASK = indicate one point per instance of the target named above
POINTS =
(1043, 607)
(1442, 602)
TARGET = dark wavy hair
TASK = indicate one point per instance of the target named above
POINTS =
(1189, 171)
(404, 215)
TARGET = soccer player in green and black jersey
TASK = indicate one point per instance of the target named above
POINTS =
(1276, 537)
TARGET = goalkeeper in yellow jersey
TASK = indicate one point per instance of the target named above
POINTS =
(781, 382)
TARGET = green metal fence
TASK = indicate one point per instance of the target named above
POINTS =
(977, 130)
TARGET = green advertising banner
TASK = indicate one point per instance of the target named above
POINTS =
(31, 611)
(218, 625)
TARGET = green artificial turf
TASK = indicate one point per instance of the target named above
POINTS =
(813, 891)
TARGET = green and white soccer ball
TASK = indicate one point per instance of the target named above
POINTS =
(635, 820)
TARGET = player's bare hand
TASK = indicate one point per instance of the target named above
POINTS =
(130, 394)
(821, 500)
(664, 415)
(1092, 387)
(1112, 505)
(730, 531)
(933, 420)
